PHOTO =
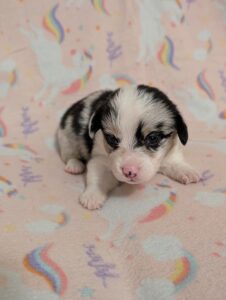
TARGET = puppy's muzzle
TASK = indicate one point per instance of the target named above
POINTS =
(130, 171)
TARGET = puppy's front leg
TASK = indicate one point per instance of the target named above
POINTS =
(99, 182)
(175, 167)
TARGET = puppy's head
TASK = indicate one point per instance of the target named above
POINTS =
(140, 125)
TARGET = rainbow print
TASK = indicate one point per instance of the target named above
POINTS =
(184, 272)
(79, 84)
(179, 4)
(100, 6)
(123, 79)
(222, 115)
(209, 45)
(166, 53)
(20, 147)
(7, 187)
(12, 78)
(3, 129)
(9, 76)
(51, 23)
(61, 219)
(204, 85)
(160, 210)
(220, 190)
(88, 54)
(38, 262)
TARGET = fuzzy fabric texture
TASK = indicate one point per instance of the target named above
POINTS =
(162, 241)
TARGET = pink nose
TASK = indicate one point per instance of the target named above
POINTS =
(130, 171)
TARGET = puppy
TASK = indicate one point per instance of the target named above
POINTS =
(125, 135)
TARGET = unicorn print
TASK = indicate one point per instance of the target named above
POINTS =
(57, 77)
(167, 248)
(156, 289)
(153, 31)
(201, 107)
(214, 198)
(15, 289)
(121, 210)
(218, 144)
(78, 3)
(108, 82)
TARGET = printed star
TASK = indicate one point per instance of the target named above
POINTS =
(86, 292)
(87, 215)
(9, 228)
(132, 237)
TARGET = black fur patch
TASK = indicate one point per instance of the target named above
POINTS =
(112, 140)
(158, 96)
(96, 106)
(75, 112)
(99, 107)
(102, 108)
(159, 125)
(139, 137)
(88, 140)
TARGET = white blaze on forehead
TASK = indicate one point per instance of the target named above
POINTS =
(130, 110)
(134, 107)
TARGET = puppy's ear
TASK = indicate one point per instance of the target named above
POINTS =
(94, 123)
(100, 109)
(182, 129)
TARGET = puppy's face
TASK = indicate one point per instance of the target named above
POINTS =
(140, 125)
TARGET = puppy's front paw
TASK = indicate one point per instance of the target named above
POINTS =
(186, 175)
(92, 199)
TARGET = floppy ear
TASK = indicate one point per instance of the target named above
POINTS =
(100, 109)
(182, 129)
(95, 123)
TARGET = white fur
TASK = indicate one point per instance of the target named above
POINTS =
(175, 166)
(74, 166)
(131, 112)
(99, 178)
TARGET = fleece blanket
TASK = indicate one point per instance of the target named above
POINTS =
(163, 241)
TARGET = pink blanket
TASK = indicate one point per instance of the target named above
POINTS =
(164, 241)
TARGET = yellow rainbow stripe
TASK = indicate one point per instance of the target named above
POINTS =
(222, 114)
(123, 79)
(99, 5)
(51, 23)
(12, 78)
(7, 187)
(61, 219)
(166, 53)
(20, 147)
(181, 270)
(78, 84)
(179, 3)
(39, 262)
(160, 210)
(184, 271)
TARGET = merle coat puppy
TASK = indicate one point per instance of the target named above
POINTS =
(126, 135)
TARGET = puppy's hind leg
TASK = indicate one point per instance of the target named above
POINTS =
(67, 151)
(74, 166)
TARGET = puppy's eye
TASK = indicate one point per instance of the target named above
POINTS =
(152, 140)
(112, 140)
